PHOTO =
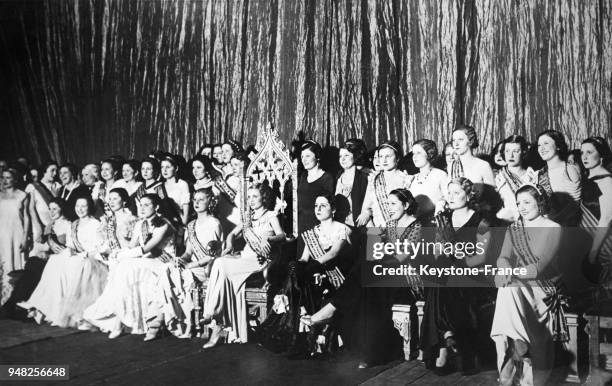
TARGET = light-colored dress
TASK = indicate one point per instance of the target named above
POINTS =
(128, 297)
(225, 295)
(429, 191)
(11, 258)
(530, 310)
(174, 295)
(71, 280)
(40, 204)
(507, 183)
(378, 191)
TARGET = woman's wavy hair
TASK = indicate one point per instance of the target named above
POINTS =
(539, 194)
(212, 199)
(559, 139)
(468, 187)
(406, 197)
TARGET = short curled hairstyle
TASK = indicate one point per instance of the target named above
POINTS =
(602, 148)
(45, 166)
(154, 198)
(358, 149)
(207, 163)
(235, 145)
(154, 164)
(393, 145)
(113, 164)
(61, 204)
(557, 137)
(468, 187)
(90, 203)
(266, 194)
(212, 199)
(406, 198)
(125, 197)
(518, 139)
(314, 147)
(430, 148)
(134, 165)
(470, 133)
(72, 168)
(539, 194)
(329, 197)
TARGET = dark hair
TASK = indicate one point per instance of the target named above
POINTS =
(90, 203)
(125, 197)
(430, 148)
(314, 147)
(468, 187)
(212, 147)
(242, 156)
(59, 202)
(602, 148)
(539, 194)
(557, 137)
(266, 193)
(72, 168)
(393, 145)
(470, 133)
(202, 148)
(154, 163)
(154, 198)
(113, 163)
(207, 163)
(518, 139)
(44, 167)
(170, 158)
(358, 149)
(406, 197)
(134, 164)
(236, 147)
(212, 199)
(329, 197)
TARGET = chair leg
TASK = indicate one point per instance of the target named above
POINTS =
(572, 346)
(420, 312)
(593, 331)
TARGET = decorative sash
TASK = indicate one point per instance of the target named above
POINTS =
(544, 180)
(224, 187)
(380, 189)
(201, 251)
(457, 167)
(158, 186)
(254, 242)
(75, 238)
(44, 192)
(414, 281)
(312, 242)
(554, 299)
(513, 181)
(146, 233)
(53, 240)
(110, 231)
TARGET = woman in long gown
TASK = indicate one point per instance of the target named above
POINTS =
(128, 298)
(370, 305)
(73, 278)
(597, 212)
(465, 163)
(14, 236)
(528, 312)
(52, 241)
(311, 281)
(375, 206)
(203, 240)
(225, 302)
(450, 320)
(41, 193)
(560, 180)
(513, 175)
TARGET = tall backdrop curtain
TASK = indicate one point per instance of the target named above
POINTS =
(84, 79)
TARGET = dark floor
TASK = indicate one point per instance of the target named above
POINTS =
(94, 359)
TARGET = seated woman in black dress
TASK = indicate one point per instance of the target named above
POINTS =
(311, 281)
(370, 306)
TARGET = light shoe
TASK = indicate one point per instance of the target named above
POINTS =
(115, 334)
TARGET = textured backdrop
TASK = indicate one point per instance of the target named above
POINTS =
(82, 79)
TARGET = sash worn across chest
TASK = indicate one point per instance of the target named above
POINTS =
(380, 189)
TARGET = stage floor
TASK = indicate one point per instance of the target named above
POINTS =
(94, 359)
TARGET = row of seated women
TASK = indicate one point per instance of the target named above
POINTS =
(98, 277)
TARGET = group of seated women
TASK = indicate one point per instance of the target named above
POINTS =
(125, 255)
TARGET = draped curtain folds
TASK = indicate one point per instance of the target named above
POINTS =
(84, 79)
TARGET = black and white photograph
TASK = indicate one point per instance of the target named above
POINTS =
(306, 192)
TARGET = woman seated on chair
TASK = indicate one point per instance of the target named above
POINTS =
(528, 312)
(310, 283)
(74, 277)
(203, 240)
(225, 302)
(128, 296)
(370, 306)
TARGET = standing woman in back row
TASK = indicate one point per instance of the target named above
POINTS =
(177, 190)
(465, 163)
(352, 181)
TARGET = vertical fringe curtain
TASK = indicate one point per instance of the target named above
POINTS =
(84, 79)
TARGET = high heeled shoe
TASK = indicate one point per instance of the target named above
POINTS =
(216, 337)
(115, 334)
(153, 328)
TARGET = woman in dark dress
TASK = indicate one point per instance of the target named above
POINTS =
(311, 183)
(450, 321)
(352, 181)
(369, 304)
